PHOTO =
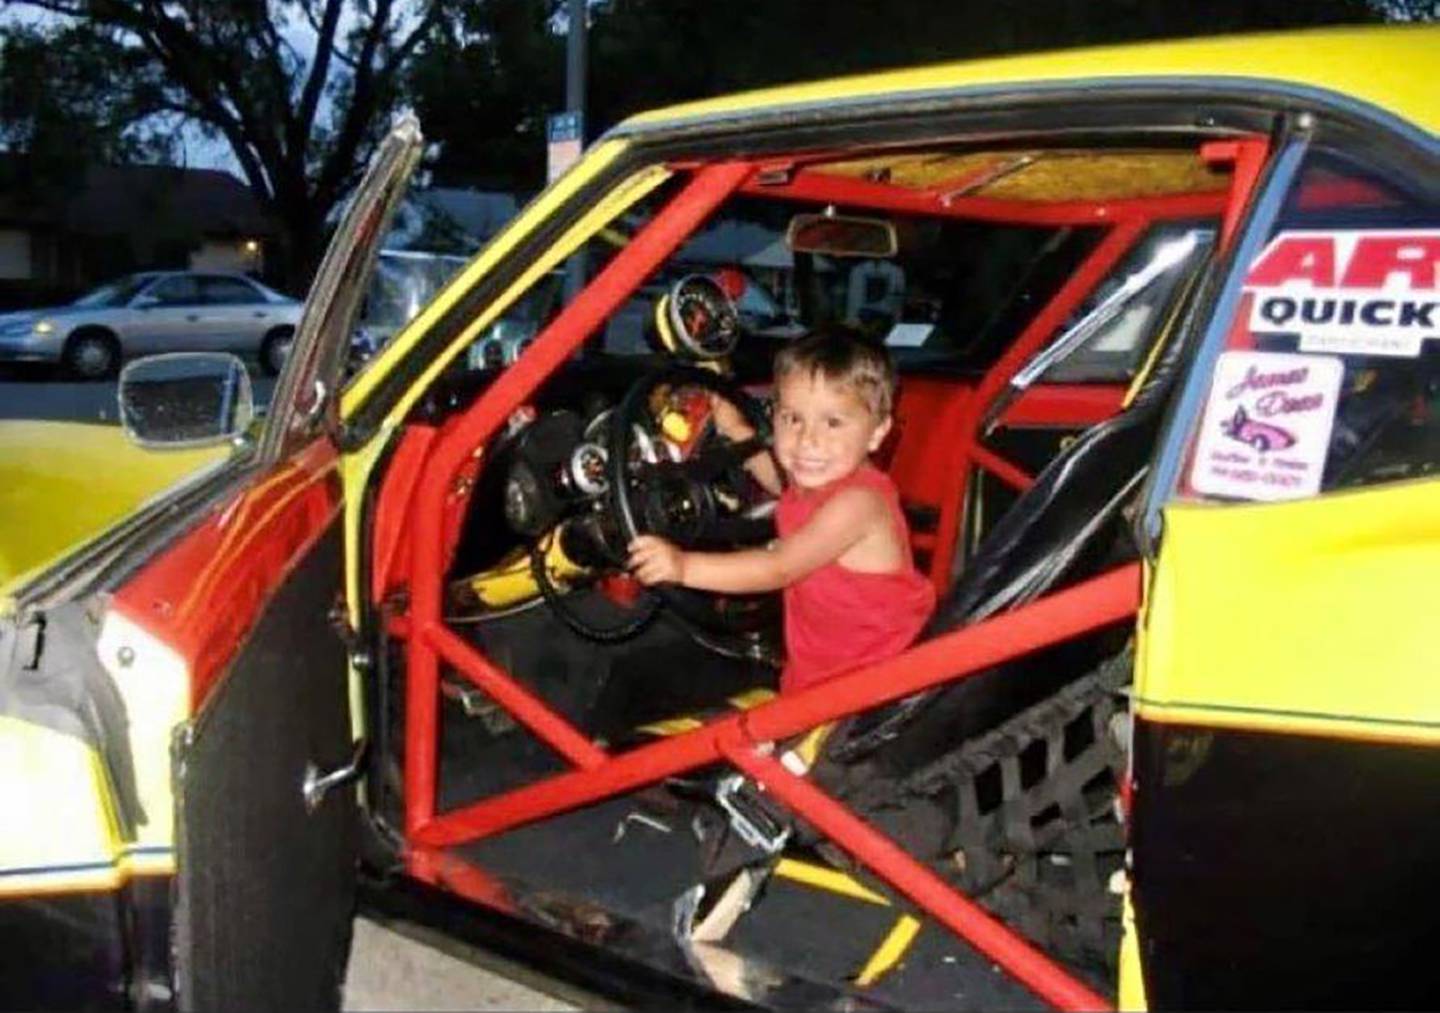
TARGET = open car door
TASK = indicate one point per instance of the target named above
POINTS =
(177, 701)
(1288, 722)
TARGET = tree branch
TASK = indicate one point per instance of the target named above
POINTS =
(304, 119)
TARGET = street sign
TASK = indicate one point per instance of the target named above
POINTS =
(564, 134)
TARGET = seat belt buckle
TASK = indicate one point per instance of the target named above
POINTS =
(750, 817)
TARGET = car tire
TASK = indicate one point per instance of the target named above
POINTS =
(275, 349)
(92, 353)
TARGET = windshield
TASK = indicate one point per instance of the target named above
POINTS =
(404, 281)
(115, 293)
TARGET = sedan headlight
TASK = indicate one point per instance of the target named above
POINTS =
(44, 327)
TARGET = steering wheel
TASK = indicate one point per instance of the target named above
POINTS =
(677, 499)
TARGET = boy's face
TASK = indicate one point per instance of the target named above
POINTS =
(823, 430)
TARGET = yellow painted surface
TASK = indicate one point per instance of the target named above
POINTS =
(1389, 67)
(890, 951)
(671, 726)
(60, 829)
(1132, 979)
(64, 482)
(1311, 617)
(822, 877)
(752, 698)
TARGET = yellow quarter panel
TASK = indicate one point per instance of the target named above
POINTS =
(1314, 617)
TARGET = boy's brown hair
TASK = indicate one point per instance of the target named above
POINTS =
(844, 357)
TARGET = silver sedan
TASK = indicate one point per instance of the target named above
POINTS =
(155, 311)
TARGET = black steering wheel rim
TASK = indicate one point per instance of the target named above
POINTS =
(633, 407)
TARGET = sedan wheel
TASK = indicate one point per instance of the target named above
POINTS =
(275, 350)
(92, 356)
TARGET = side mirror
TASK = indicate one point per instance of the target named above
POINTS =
(185, 399)
(842, 236)
(144, 301)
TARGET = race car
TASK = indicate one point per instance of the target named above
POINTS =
(1164, 744)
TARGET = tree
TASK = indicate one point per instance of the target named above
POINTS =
(299, 90)
(59, 108)
(485, 87)
(485, 93)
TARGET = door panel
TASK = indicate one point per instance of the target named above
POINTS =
(1285, 751)
(265, 887)
(1312, 616)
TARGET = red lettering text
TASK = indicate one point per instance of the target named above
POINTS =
(1376, 258)
(1309, 258)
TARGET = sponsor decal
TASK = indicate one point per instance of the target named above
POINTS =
(1353, 292)
(1266, 431)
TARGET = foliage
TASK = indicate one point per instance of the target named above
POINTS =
(485, 95)
(299, 90)
(59, 107)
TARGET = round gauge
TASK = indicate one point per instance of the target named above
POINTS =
(702, 318)
(587, 469)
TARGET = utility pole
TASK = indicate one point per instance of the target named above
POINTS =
(575, 104)
(575, 59)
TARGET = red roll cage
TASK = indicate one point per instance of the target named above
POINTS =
(743, 738)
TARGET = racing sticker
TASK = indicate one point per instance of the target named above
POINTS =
(1355, 292)
(1266, 431)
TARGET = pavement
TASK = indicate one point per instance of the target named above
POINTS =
(402, 967)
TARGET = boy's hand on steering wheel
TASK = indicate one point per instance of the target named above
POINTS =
(653, 560)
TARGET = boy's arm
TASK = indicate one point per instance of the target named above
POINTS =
(763, 469)
(732, 425)
(837, 526)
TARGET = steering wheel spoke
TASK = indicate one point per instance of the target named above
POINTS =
(721, 456)
(680, 500)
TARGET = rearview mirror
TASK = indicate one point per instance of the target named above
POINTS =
(842, 236)
(144, 301)
(186, 399)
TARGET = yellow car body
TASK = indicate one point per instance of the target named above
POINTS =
(1305, 620)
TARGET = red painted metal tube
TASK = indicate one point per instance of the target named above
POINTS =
(1106, 599)
(829, 188)
(1040, 329)
(522, 706)
(565, 334)
(1013, 476)
(888, 860)
(1247, 155)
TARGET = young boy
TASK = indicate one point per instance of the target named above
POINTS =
(852, 593)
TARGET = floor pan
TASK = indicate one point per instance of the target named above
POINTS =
(617, 872)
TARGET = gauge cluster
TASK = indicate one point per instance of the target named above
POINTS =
(560, 466)
(698, 319)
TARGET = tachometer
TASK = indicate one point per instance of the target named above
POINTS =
(696, 318)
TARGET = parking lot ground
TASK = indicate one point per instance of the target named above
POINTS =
(397, 966)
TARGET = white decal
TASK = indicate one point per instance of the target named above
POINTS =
(1349, 291)
(1266, 431)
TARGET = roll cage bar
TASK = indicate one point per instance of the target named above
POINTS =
(744, 739)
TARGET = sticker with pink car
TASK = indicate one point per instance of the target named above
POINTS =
(1266, 429)
(1261, 435)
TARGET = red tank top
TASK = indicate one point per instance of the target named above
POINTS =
(837, 619)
